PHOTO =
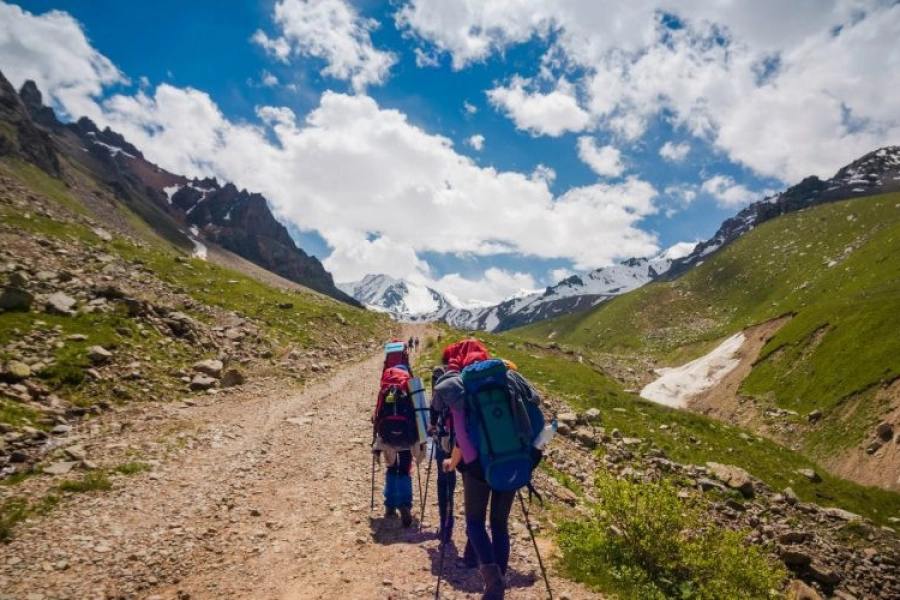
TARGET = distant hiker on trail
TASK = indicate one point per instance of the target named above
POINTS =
(411, 343)
(416, 343)
(492, 550)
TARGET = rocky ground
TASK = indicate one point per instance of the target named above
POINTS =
(143, 336)
(257, 484)
(258, 492)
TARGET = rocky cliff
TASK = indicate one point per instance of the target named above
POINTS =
(237, 220)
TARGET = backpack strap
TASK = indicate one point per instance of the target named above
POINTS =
(472, 404)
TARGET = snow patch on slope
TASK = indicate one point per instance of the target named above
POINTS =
(678, 384)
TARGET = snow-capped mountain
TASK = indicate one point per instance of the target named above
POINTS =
(574, 293)
(412, 303)
(875, 173)
(400, 298)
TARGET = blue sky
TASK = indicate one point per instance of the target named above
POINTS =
(477, 147)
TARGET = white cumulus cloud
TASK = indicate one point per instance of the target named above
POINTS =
(52, 50)
(605, 161)
(727, 192)
(330, 30)
(552, 113)
(493, 287)
(476, 141)
(675, 152)
(787, 89)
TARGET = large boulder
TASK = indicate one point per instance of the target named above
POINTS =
(14, 298)
(734, 477)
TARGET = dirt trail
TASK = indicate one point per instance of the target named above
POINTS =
(260, 494)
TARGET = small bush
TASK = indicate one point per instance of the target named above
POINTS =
(46, 504)
(646, 542)
(91, 482)
(12, 511)
(132, 468)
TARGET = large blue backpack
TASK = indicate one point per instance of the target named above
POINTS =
(500, 426)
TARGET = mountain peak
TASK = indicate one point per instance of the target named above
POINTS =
(400, 298)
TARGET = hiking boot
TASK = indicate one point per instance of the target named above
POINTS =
(405, 516)
(493, 583)
(390, 513)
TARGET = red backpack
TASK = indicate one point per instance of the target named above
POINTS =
(395, 413)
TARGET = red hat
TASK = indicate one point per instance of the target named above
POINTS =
(471, 351)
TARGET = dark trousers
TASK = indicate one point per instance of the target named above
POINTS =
(446, 485)
(493, 549)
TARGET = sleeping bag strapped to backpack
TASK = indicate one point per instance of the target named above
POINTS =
(499, 426)
(395, 414)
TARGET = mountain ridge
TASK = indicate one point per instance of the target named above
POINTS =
(874, 173)
(237, 220)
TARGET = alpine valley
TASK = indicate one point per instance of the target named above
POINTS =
(168, 357)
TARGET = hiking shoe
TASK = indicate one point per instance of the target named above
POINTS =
(390, 513)
(406, 516)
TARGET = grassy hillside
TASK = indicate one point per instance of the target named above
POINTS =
(684, 437)
(139, 280)
(835, 268)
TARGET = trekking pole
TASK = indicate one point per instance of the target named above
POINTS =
(419, 478)
(372, 501)
(534, 541)
(444, 540)
(427, 479)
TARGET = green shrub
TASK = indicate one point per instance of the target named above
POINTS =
(132, 468)
(92, 481)
(646, 542)
(12, 511)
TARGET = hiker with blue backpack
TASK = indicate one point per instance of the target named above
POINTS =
(497, 416)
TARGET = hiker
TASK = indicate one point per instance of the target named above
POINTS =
(443, 426)
(441, 431)
(395, 440)
(410, 343)
(416, 343)
(492, 550)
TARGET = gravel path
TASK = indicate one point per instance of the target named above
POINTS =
(262, 493)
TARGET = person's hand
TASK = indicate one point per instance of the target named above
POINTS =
(432, 429)
(446, 465)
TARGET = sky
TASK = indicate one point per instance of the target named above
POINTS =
(481, 147)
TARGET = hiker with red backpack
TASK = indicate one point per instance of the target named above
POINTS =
(497, 417)
(397, 436)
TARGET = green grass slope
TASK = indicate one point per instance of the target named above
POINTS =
(835, 268)
(285, 321)
(684, 437)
